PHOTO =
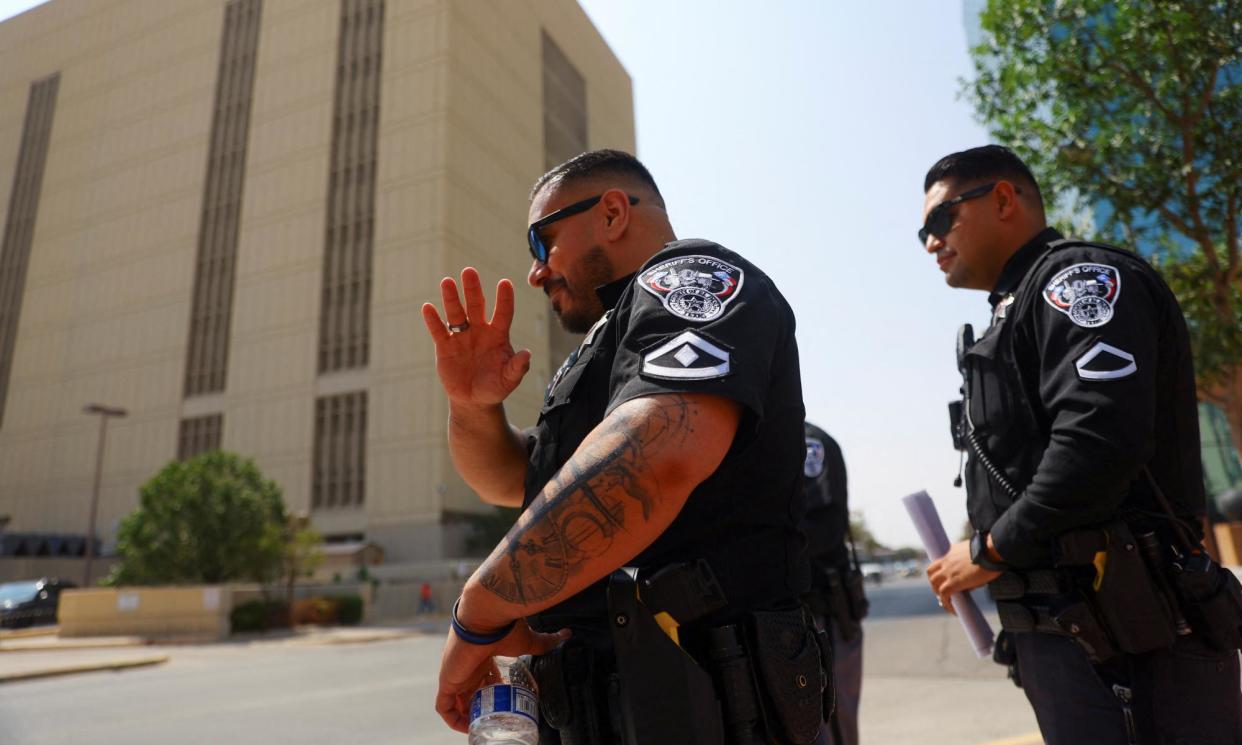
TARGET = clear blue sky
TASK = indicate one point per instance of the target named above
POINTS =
(797, 133)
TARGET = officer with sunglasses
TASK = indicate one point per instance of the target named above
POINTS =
(1082, 471)
(669, 442)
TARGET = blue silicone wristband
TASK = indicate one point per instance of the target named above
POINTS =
(472, 637)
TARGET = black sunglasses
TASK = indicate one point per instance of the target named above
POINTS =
(537, 248)
(939, 220)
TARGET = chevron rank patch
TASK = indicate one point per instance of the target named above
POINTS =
(686, 356)
(1106, 362)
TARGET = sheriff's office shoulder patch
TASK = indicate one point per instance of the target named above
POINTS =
(813, 467)
(1086, 293)
(696, 288)
(687, 356)
(1106, 362)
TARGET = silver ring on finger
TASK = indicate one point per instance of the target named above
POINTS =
(457, 328)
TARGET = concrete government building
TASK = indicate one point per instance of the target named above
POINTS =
(224, 217)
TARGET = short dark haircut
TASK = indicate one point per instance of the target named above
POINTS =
(596, 164)
(986, 163)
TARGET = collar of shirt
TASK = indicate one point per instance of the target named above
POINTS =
(1020, 263)
(610, 294)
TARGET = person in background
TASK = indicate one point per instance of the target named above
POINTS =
(837, 598)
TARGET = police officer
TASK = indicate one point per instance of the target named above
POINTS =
(1081, 435)
(837, 598)
(672, 434)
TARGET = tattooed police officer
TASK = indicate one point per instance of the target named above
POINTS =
(1083, 476)
(670, 442)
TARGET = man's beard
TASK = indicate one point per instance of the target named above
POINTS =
(585, 308)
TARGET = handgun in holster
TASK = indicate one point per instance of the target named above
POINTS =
(662, 694)
(1129, 592)
(767, 680)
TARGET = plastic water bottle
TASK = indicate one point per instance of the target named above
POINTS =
(506, 713)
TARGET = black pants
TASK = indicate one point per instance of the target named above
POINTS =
(1185, 695)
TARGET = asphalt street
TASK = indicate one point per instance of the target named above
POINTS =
(922, 685)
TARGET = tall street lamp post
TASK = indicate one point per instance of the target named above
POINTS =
(105, 413)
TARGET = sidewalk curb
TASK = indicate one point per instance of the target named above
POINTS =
(51, 672)
(29, 633)
(72, 647)
(360, 639)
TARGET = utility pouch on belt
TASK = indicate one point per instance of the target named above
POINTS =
(569, 698)
(790, 665)
(1212, 599)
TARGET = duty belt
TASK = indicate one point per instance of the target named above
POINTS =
(1016, 585)
(1044, 601)
(1011, 587)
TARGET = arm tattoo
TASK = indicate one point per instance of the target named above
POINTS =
(581, 510)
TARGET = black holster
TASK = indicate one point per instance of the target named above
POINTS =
(663, 696)
(1129, 595)
(1108, 592)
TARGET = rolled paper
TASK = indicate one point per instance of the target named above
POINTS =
(936, 542)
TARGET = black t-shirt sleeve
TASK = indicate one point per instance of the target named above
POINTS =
(701, 323)
(1095, 332)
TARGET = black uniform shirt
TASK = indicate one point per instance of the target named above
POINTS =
(827, 503)
(696, 318)
(1083, 377)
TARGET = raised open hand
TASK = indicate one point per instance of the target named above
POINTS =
(474, 358)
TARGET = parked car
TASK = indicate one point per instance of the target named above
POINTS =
(30, 602)
(872, 572)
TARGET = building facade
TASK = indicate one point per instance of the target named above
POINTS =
(224, 217)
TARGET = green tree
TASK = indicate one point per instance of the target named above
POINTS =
(211, 519)
(302, 552)
(863, 539)
(1133, 110)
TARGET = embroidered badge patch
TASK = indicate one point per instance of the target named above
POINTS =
(813, 467)
(697, 288)
(687, 356)
(1105, 362)
(1086, 293)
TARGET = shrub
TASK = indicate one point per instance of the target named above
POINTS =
(318, 611)
(258, 615)
(350, 610)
